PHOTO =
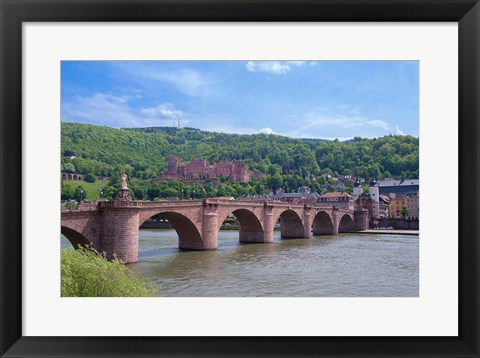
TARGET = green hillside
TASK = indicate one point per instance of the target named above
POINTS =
(142, 153)
(91, 190)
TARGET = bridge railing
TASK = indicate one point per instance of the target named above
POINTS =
(81, 207)
(189, 203)
(118, 203)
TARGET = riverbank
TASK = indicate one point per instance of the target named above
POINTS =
(391, 232)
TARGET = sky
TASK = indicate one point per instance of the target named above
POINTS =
(299, 99)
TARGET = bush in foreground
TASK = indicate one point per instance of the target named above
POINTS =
(87, 273)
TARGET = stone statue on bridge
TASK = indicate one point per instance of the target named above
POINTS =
(124, 181)
(123, 193)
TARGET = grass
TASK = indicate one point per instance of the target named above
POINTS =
(87, 273)
(90, 188)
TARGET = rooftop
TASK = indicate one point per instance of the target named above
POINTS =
(393, 182)
(295, 195)
(336, 194)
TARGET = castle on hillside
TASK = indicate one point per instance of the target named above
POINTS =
(198, 169)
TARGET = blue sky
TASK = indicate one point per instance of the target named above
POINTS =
(301, 99)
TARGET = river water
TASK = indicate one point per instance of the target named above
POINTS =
(330, 266)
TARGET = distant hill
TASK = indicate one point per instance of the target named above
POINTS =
(143, 152)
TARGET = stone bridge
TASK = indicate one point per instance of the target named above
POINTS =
(113, 226)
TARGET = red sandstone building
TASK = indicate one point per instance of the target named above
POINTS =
(198, 169)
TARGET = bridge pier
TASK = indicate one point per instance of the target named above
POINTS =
(307, 222)
(120, 233)
(210, 230)
(268, 225)
(361, 219)
(335, 221)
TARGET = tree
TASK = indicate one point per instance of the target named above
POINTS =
(68, 168)
(90, 178)
(80, 194)
(276, 181)
(67, 192)
(405, 212)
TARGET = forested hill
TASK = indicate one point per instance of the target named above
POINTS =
(142, 153)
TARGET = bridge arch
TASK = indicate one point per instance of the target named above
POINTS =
(74, 237)
(251, 229)
(346, 224)
(322, 224)
(189, 236)
(291, 224)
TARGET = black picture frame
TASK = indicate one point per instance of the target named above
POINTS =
(14, 12)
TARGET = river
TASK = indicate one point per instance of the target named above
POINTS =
(347, 265)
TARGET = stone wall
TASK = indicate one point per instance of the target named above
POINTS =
(399, 223)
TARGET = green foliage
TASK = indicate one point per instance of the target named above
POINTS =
(80, 194)
(405, 212)
(87, 273)
(285, 162)
(67, 192)
(68, 168)
(90, 178)
(385, 157)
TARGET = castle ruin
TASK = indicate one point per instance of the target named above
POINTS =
(198, 169)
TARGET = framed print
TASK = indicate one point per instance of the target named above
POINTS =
(304, 127)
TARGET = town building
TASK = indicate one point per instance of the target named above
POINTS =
(404, 186)
(198, 169)
(303, 196)
(338, 199)
(397, 203)
(412, 205)
(384, 203)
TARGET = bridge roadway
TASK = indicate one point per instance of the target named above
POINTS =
(113, 226)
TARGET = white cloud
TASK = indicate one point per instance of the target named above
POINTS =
(276, 67)
(266, 131)
(399, 131)
(186, 81)
(377, 123)
(163, 111)
(101, 108)
(115, 111)
(318, 120)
